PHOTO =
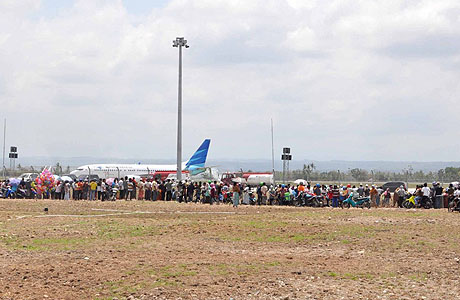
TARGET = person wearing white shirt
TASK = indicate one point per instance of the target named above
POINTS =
(426, 193)
(121, 187)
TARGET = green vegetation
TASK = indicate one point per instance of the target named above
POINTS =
(357, 175)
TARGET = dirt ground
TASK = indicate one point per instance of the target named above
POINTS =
(167, 250)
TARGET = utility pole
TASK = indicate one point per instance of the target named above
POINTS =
(273, 156)
(4, 142)
(179, 42)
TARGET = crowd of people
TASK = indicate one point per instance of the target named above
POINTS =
(217, 192)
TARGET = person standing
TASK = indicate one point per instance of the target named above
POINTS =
(79, 190)
(236, 194)
(386, 198)
(125, 186)
(104, 190)
(99, 190)
(62, 190)
(74, 190)
(130, 189)
(141, 186)
(438, 190)
(361, 190)
(57, 191)
(207, 193)
(156, 191)
(93, 189)
(168, 187)
(197, 192)
(264, 190)
(219, 191)
(367, 191)
(66, 190)
(374, 194)
(121, 188)
(259, 194)
(335, 196)
(148, 190)
(401, 195)
(190, 191)
(426, 194)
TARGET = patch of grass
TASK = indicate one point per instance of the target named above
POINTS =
(350, 276)
(168, 272)
(219, 269)
(163, 282)
(264, 224)
(120, 288)
(418, 276)
(273, 264)
(44, 244)
(388, 275)
(332, 274)
(224, 269)
(115, 230)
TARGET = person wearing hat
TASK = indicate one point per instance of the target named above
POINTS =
(335, 196)
(401, 191)
(317, 190)
(438, 191)
(264, 191)
(236, 194)
(374, 195)
(360, 190)
(366, 191)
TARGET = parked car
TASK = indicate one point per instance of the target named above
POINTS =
(393, 185)
(85, 177)
(28, 177)
(74, 178)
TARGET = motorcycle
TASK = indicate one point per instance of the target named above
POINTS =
(3, 192)
(20, 194)
(113, 194)
(252, 198)
(413, 202)
(454, 205)
(299, 199)
(313, 200)
(360, 202)
(427, 203)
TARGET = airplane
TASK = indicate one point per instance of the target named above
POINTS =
(195, 165)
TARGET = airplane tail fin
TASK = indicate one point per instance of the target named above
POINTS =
(198, 159)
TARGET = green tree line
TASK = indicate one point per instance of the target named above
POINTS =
(310, 173)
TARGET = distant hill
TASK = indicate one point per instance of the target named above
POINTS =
(248, 164)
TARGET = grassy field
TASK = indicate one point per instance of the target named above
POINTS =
(144, 250)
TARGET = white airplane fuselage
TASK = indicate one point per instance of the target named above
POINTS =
(197, 161)
(122, 170)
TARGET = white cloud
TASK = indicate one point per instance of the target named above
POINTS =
(341, 79)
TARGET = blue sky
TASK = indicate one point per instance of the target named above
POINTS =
(345, 80)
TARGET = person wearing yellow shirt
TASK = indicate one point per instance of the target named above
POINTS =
(93, 188)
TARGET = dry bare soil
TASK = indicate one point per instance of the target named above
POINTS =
(166, 250)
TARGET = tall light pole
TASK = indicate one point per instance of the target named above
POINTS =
(179, 42)
(4, 141)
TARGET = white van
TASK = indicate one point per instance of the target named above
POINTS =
(28, 177)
